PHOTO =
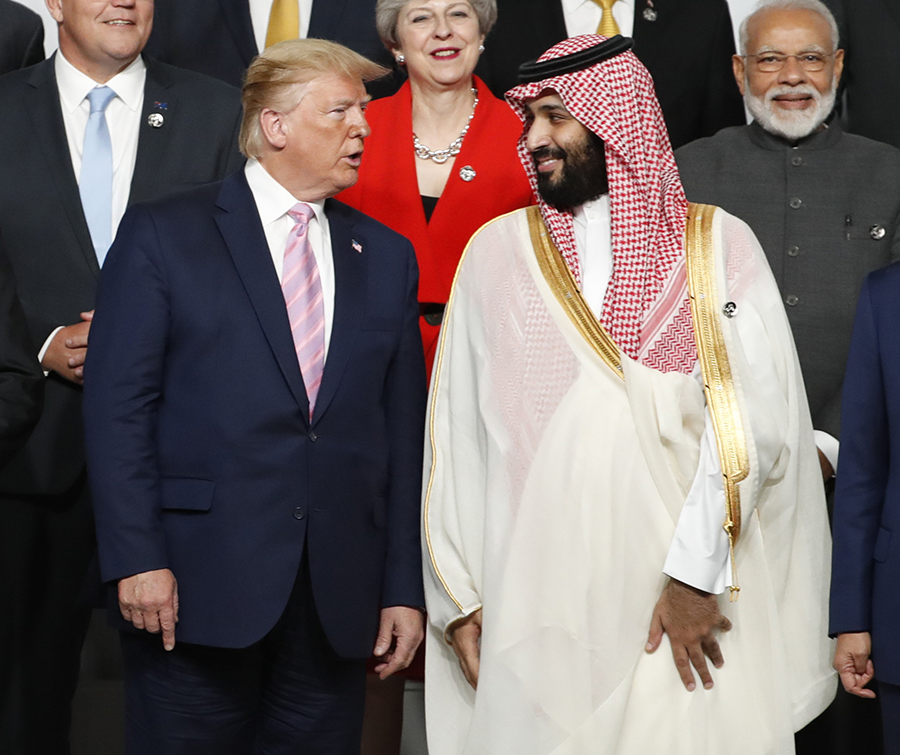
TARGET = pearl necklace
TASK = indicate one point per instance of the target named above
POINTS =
(441, 156)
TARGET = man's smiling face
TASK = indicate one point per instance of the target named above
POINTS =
(569, 158)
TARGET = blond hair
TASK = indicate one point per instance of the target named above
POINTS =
(275, 75)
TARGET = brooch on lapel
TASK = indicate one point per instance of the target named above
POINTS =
(156, 119)
(357, 246)
(650, 13)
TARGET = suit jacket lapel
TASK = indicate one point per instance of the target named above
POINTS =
(149, 166)
(43, 105)
(237, 16)
(246, 242)
(349, 300)
(323, 24)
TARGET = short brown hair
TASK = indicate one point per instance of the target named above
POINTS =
(271, 80)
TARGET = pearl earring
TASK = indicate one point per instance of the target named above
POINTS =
(401, 59)
(480, 48)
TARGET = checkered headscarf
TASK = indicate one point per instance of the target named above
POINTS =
(646, 310)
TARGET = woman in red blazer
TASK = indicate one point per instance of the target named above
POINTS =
(441, 160)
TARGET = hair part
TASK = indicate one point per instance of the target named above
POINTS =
(816, 6)
(387, 15)
(276, 77)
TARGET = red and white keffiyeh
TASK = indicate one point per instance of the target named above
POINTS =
(646, 309)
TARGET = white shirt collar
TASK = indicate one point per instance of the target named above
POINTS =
(272, 200)
(74, 85)
(591, 210)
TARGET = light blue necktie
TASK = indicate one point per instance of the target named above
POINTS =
(95, 184)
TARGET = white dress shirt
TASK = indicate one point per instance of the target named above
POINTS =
(698, 554)
(583, 16)
(259, 17)
(123, 117)
(272, 203)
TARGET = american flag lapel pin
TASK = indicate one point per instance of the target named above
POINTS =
(357, 246)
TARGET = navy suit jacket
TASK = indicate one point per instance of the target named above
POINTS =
(21, 37)
(866, 562)
(201, 457)
(215, 37)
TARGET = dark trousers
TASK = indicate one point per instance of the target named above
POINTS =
(46, 545)
(288, 693)
(889, 697)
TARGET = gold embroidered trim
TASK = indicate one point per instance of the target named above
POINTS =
(434, 392)
(721, 397)
(560, 279)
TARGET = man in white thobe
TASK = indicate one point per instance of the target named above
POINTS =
(619, 436)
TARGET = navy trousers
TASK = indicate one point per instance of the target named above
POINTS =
(288, 693)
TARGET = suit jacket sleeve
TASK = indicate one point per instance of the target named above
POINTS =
(862, 483)
(21, 379)
(123, 378)
(405, 398)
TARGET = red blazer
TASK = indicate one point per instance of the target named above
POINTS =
(388, 190)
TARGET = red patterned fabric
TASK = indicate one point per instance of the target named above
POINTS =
(646, 310)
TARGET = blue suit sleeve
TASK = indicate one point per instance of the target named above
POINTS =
(122, 389)
(405, 395)
(862, 482)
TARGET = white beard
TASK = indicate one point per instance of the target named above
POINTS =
(790, 124)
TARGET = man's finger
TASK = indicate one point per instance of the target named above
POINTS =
(125, 611)
(683, 664)
(712, 649)
(385, 636)
(167, 624)
(151, 622)
(725, 624)
(466, 646)
(137, 618)
(656, 633)
(698, 659)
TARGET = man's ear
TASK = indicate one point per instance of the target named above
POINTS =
(739, 66)
(271, 122)
(838, 66)
(55, 8)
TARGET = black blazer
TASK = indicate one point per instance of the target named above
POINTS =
(870, 30)
(215, 37)
(21, 37)
(47, 238)
(687, 50)
(21, 380)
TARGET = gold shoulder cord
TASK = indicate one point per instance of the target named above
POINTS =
(558, 275)
(717, 377)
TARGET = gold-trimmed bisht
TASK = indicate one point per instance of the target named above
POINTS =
(561, 281)
(721, 397)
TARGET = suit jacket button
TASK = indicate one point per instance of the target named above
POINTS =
(312, 436)
(796, 161)
(796, 202)
(298, 513)
(793, 251)
(791, 300)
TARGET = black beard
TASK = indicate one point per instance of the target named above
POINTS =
(583, 174)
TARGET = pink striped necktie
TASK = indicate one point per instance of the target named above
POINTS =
(302, 289)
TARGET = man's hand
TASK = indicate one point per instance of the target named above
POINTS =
(827, 469)
(66, 352)
(401, 631)
(852, 661)
(150, 601)
(690, 617)
(464, 639)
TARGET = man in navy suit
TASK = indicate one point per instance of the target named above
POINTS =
(256, 464)
(221, 37)
(865, 612)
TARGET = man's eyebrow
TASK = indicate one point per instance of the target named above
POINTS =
(552, 107)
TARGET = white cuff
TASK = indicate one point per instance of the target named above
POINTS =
(828, 445)
(46, 346)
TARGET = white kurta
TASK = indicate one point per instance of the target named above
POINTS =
(553, 489)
